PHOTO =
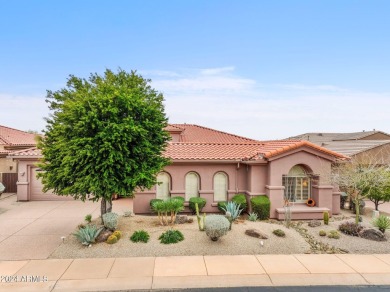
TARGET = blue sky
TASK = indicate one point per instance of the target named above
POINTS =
(263, 69)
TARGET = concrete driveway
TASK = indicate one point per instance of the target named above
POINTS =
(33, 230)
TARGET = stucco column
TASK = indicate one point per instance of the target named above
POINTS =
(23, 183)
(324, 196)
(336, 202)
(276, 196)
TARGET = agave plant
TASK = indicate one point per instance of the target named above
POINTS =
(88, 234)
(252, 216)
(233, 208)
(382, 222)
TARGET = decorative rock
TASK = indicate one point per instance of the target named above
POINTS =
(104, 234)
(314, 223)
(256, 233)
(372, 234)
(181, 219)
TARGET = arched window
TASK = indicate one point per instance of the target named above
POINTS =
(163, 186)
(192, 185)
(220, 187)
(297, 185)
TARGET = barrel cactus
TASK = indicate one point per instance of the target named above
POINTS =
(216, 226)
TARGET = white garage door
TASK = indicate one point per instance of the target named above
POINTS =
(36, 193)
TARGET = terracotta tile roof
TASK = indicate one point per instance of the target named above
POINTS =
(196, 133)
(9, 136)
(238, 151)
(172, 128)
(209, 151)
(273, 148)
(33, 152)
(216, 148)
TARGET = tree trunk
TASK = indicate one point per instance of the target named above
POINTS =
(105, 206)
(109, 205)
(102, 208)
(376, 205)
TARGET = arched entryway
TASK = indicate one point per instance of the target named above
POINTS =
(297, 184)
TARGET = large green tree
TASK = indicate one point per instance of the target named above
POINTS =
(105, 135)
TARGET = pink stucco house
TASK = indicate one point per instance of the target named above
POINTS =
(216, 165)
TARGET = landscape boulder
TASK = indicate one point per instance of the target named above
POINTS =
(256, 233)
(181, 219)
(372, 234)
(314, 223)
(104, 234)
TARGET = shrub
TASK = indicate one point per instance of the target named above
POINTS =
(87, 234)
(279, 232)
(382, 222)
(334, 234)
(140, 236)
(152, 201)
(350, 228)
(221, 206)
(216, 226)
(261, 206)
(181, 199)
(240, 199)
(110, 220)
(117, 234)
(322, 233)
(201, 203)
(112, 239)
(171, 236)
(252, 216)
(326, 217)
(88, 218)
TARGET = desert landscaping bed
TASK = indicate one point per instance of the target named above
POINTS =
(299, 239)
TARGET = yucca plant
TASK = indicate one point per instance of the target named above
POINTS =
(159, 208)
(382, 222)
(88, 234)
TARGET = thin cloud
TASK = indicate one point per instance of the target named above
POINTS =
(216, 71)
(240, 105)
(250, 108)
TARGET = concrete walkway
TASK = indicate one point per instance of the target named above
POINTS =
(194, 272)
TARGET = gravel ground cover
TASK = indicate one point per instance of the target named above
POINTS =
(352, 244)
(303, 239)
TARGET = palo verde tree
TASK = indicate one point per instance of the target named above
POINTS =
(379, 192)
(105, 136)
(362, 177)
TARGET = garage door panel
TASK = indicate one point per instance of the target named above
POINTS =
(36, 192)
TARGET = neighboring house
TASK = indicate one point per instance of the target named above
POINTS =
(373, 145)
(216, 165)
(12, 140)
